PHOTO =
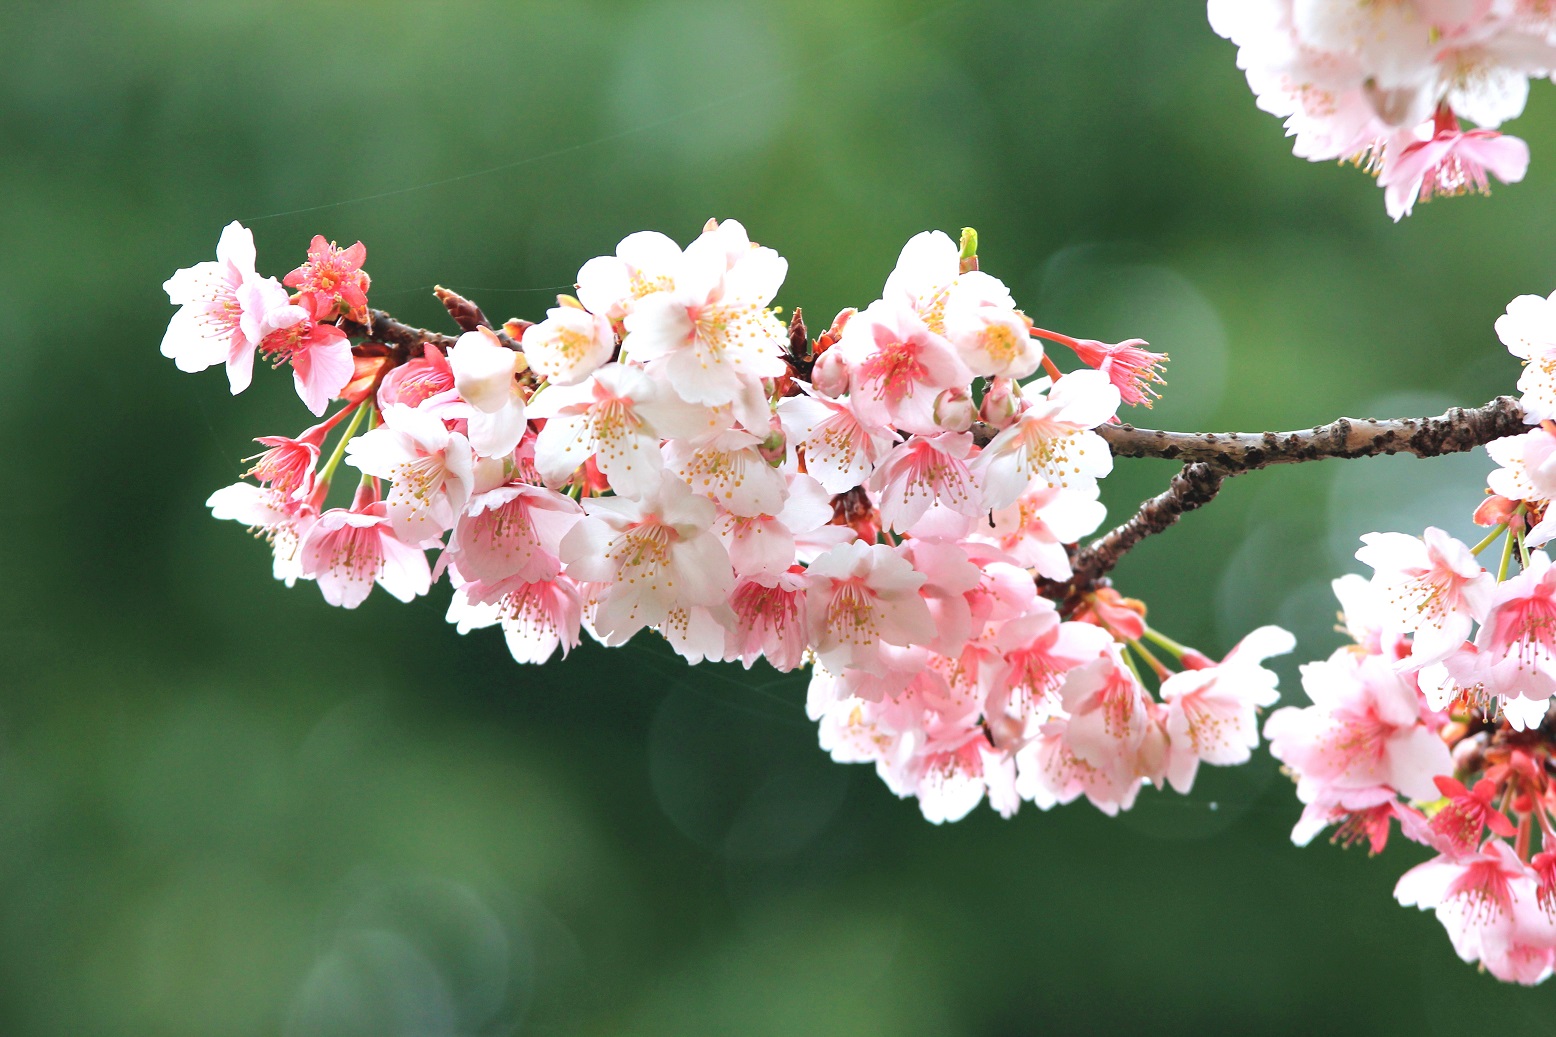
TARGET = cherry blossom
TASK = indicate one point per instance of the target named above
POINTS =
(1528, 330)
(1431, 586)
(332, 282)
(1052, 442)
(347, 550)
(432, 470)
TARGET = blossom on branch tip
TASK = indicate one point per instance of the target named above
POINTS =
(332, 282)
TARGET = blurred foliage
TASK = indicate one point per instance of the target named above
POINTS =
(228, 809)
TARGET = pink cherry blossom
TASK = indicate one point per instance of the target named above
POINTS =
(841, 449)
(1035, 529)
(537, 618)
(898, 367)
(1517, 642)
(417, 380)
(332, 282)
(618, 416)
(209, 324)
(1363, 730)
(1211, 712)
(771, 621)
(657, 555)
(1431, 586)
(645, 263)
(1528, 330)
(859, 596)
(320, 357)
(348, 550)
(484, 373)
(1528, 471)
(280, 518)
(712, 332)
(432, 470)
(1051, 443)
(729, 469)
(1451, 163)
(569, 344)
(513, 531)
(925, 471)
(1131, 367)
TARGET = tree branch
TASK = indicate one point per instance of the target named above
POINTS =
(1213, 457)
(1454, 432)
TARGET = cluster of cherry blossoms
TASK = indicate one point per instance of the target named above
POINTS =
(1385, 84)
(1440, 716)
(888, 502)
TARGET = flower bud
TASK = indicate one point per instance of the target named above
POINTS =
(775, 448)
(1001, 403)
(954, 410)
(830, 374)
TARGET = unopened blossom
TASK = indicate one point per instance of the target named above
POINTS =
(1431, 586)
(332, 282)
(898, 367)
(713, 333)
(1211, 712)
(617, 417)
(1528, 330)
(485, 373)
(431, 468)
(569, 344)
(346, 551)
(537, 618)
(1051, 443)
(657, 554)
(861, 595)
(927, 470)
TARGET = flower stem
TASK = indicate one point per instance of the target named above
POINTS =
(340, 447)
(1145, 653)
(1491, 536)
(1507, 556)
(1161, 640)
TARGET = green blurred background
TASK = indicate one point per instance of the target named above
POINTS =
(227, 809)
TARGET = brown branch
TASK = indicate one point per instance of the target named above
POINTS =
(405, 338)
(1212, 457)
(1454, 432)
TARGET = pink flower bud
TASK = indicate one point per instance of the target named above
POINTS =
(954, 410)
(1001, 403)
(830, 374)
